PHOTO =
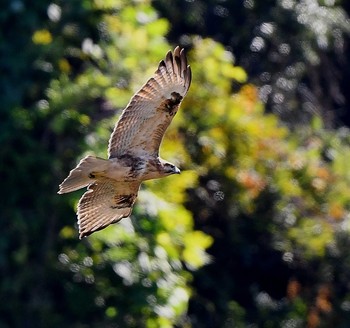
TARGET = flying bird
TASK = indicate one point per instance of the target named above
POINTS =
(133, 149)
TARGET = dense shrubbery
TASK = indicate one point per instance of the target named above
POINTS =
(276, 203)
(270, 205)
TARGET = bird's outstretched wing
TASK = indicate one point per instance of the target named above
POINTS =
(143, 122)
(105, 202)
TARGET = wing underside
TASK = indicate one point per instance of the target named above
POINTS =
(105, 202)
(143, 122)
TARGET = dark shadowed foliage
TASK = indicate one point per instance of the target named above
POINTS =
(255, 230)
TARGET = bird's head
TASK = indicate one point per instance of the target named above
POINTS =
(169, 169)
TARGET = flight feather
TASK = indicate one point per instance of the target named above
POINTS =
(133, 149)
(144, 121)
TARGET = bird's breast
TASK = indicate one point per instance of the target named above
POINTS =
(130, 168)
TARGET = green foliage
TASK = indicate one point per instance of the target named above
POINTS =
(275, 201)
(255, 231)
(294, 51)
(135, 276)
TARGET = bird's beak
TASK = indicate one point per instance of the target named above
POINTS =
(177, 171)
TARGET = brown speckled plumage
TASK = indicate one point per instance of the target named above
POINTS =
(133, 150)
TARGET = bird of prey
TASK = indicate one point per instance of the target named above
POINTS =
(133, 150)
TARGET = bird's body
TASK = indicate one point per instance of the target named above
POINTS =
(133, 151)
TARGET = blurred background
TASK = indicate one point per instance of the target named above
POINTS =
(253, 233)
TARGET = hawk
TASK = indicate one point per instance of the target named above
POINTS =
(133, 149)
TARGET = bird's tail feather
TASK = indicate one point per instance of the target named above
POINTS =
(88, 169)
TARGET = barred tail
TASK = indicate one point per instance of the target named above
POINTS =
(83, 174)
